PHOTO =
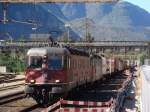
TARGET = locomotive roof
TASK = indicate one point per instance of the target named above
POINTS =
(55, 50)
(47, 50)
(77, 52)
(97, 56)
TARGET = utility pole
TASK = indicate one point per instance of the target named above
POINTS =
(86, 29)
(125, 57)
(67, 25)
(88, 37)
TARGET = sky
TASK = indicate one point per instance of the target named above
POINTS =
(145, 4)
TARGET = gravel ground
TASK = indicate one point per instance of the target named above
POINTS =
(101, 91)
(17, 106)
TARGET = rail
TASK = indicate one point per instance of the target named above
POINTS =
(11, 97)
(11, 86)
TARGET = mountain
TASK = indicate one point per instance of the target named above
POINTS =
(104, 21)
(73, 10)
(111, 21)
(55, 10)
(26, 19)
(127, 14)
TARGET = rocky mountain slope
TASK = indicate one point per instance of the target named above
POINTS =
(104, 21)
(26, 19)
(111, 21)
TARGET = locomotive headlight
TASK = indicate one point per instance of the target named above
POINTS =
(57, 81)
(32, 81)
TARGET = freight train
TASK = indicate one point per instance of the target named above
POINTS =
(54, 71)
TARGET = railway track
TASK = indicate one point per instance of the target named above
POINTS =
(11, 97)
(5, 78)
(21, 104)
(9, 77)
(9, 80)
(11, 87)
(13, 80)
(18, 102)
(100, 91)
(33, 108)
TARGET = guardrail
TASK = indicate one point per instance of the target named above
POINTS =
(122, 93)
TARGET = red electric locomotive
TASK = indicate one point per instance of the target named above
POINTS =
(53, 71)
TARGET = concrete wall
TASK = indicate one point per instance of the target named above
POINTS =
(147, 62)
(145, 89)
(3, 69)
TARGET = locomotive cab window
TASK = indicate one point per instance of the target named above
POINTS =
(55, 62)
(35, 62)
